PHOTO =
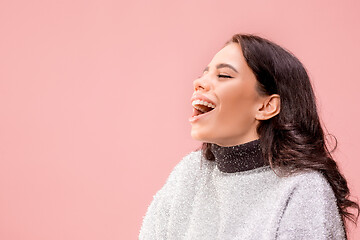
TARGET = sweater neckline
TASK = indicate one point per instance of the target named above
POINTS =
(239, 158)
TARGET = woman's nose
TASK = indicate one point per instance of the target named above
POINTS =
(201, 83)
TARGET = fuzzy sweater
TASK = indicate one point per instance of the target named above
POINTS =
(238, 198)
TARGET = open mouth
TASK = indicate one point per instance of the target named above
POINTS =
(202, 107)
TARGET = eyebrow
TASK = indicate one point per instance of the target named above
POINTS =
(222, 65)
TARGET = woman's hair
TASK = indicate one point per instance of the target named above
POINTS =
(292, 140)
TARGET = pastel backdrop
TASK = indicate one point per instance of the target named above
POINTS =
(94, 100)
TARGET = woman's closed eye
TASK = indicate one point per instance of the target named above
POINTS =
(220, 76)
(224, 76)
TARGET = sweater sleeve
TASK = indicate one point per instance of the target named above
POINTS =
(311, 212)
(154, 225)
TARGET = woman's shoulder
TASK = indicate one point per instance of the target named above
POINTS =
(190, 162)
(308, 177)
(185, 170)
(309, 208)
(309, 182)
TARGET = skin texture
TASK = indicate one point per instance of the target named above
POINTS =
(238, 105)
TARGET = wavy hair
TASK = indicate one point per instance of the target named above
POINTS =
(293, 140)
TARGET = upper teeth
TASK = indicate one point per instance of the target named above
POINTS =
(195, 102)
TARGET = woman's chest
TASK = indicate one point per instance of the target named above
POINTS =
(218, 208)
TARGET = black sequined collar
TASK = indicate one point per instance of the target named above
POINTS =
(239, 158)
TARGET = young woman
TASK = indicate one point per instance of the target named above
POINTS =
(263, 170)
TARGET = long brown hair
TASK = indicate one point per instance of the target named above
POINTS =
(294, 139)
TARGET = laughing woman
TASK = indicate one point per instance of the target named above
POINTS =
(263, 170)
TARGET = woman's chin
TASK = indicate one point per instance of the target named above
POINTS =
(197, 135)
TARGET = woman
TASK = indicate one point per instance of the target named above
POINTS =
(263, 170)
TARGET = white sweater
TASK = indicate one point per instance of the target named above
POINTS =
(206, 203)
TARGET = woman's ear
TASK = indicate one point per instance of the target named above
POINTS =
(269, 107)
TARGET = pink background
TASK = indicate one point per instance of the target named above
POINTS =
(94, 100)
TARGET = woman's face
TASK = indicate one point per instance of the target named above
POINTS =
(234, 119)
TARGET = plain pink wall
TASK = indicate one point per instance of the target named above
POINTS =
(94, 100)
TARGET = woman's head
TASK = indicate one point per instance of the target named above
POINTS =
(240, 104)
(248, 107)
